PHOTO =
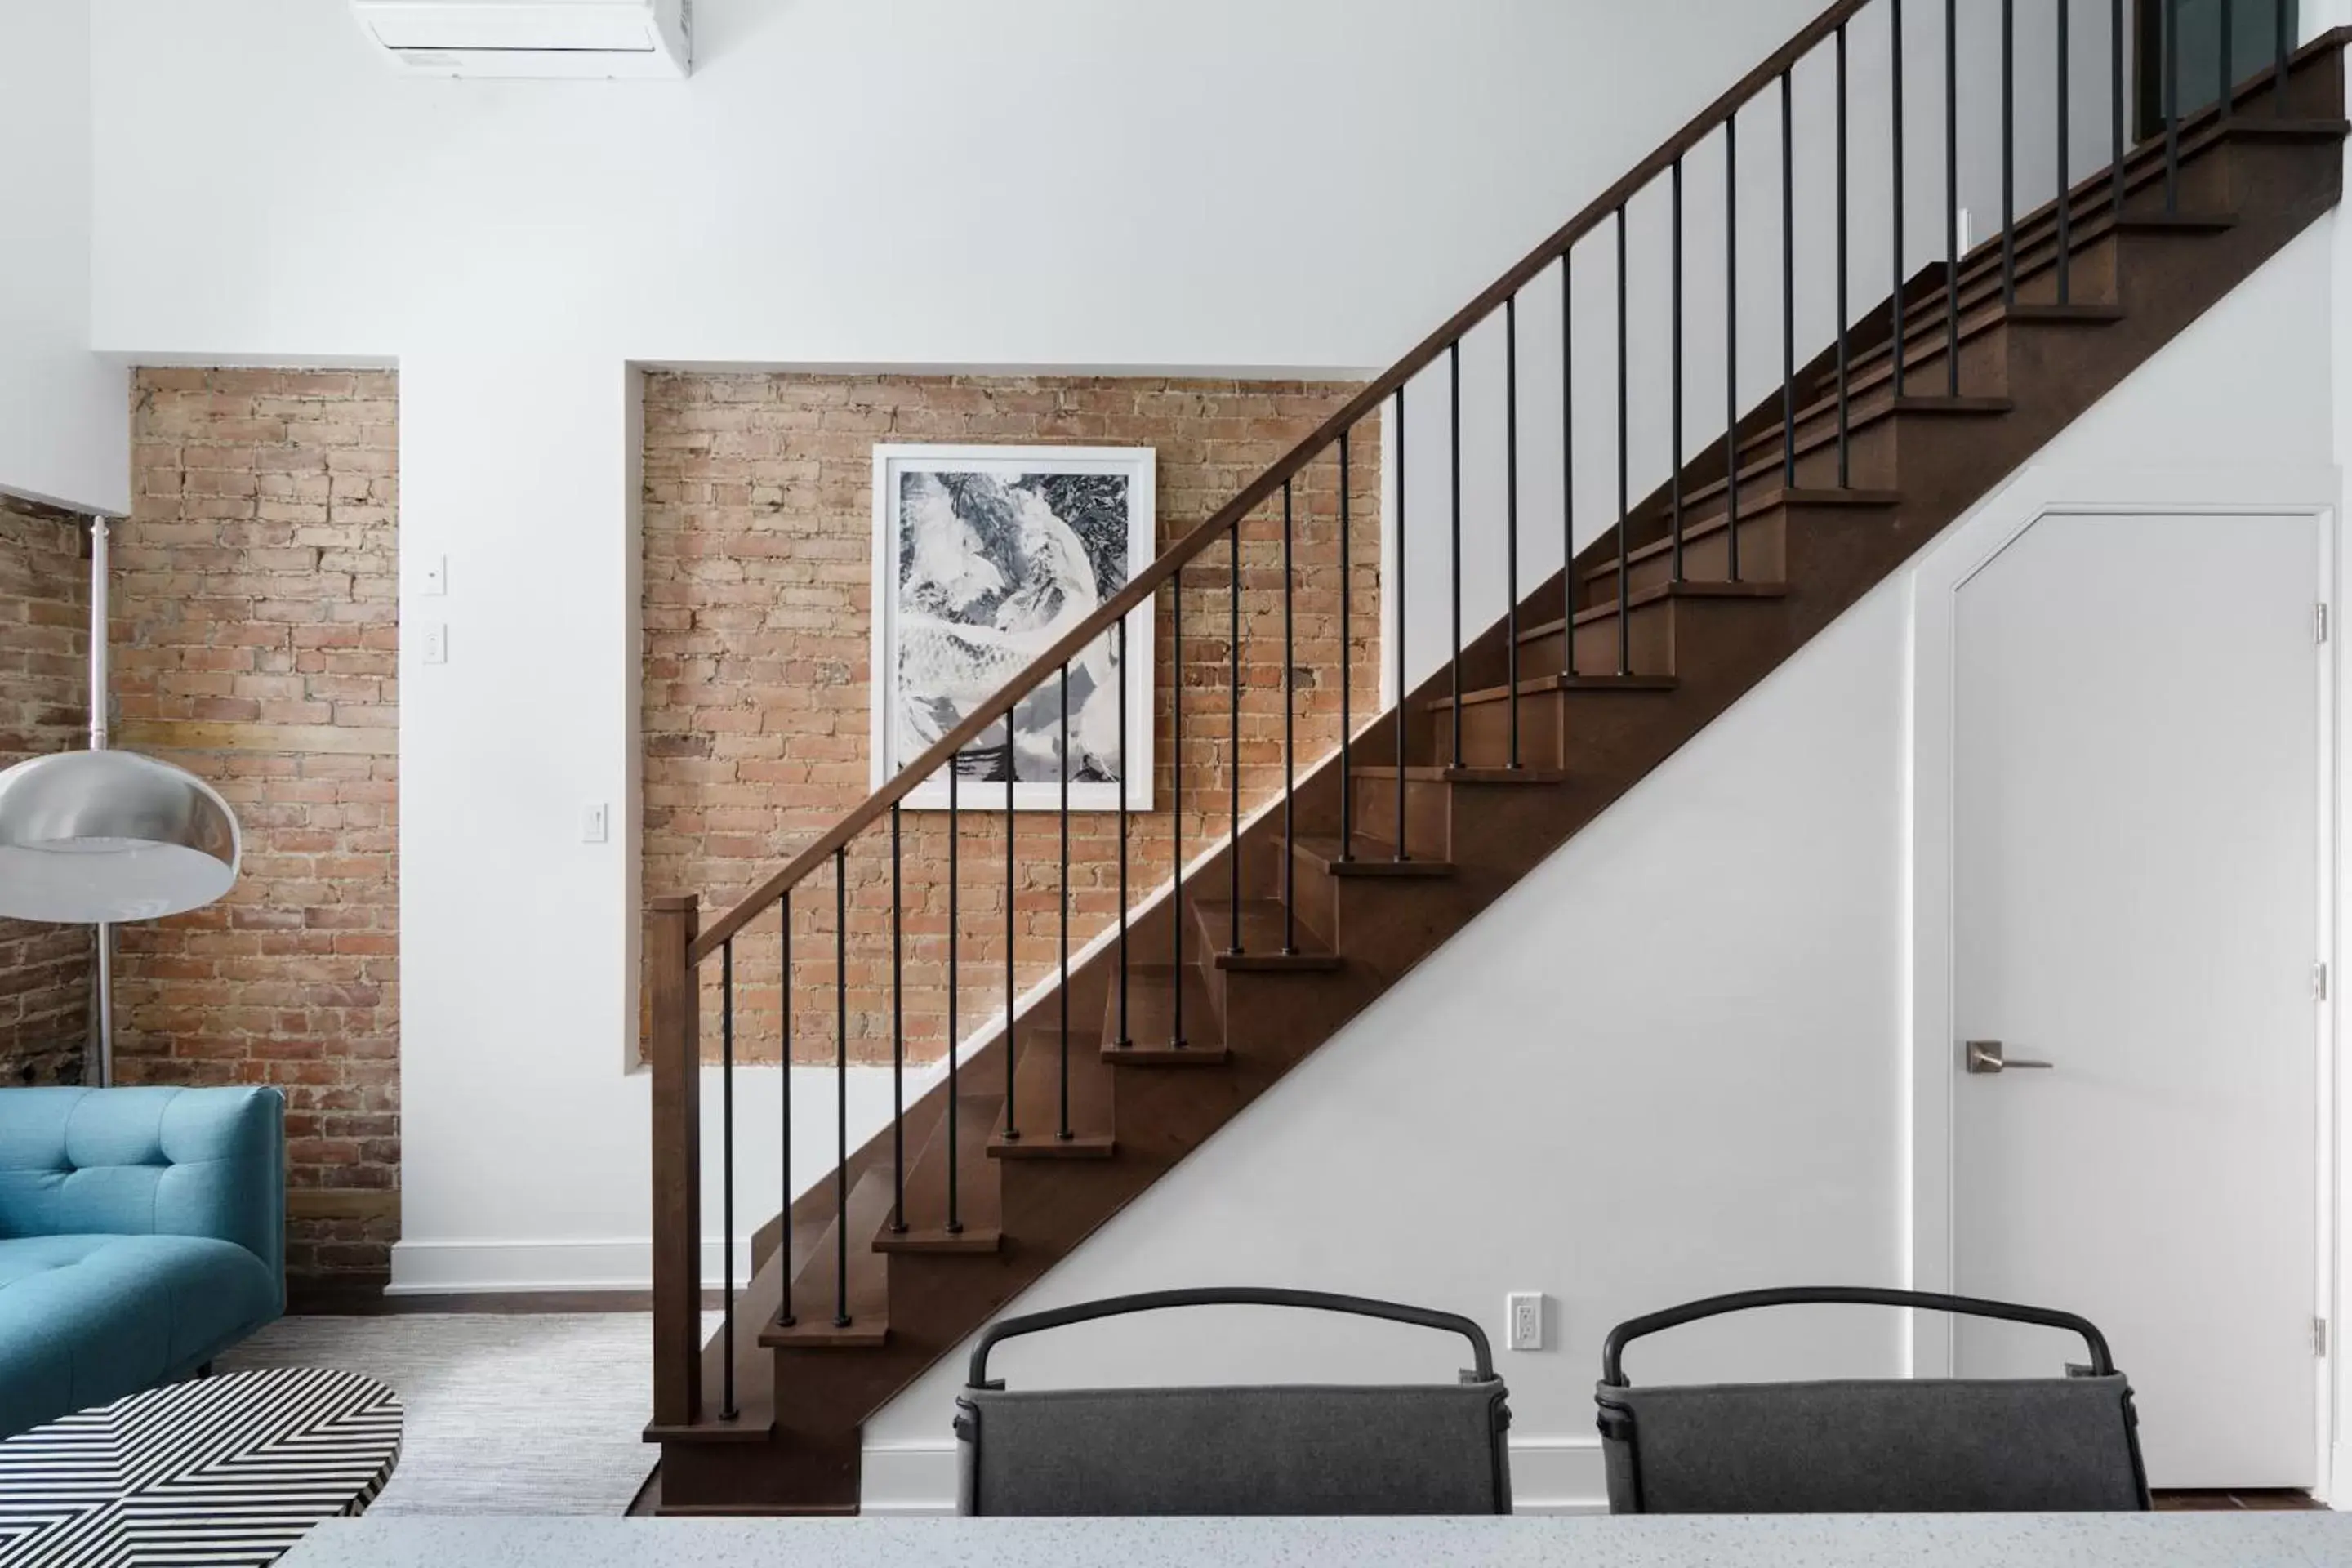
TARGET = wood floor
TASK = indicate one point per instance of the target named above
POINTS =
(2222, 1502)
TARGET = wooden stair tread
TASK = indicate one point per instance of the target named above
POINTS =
(1152, 991)
(1447, 772)
(1753, 505)
(1542, 685)
(814, 1296)
(1037, 1088)
(1263, 933)
(1656, 594)
(1371, 858)
(2285, 128)
(979, 1197)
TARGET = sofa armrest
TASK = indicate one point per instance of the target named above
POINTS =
(147, 1162)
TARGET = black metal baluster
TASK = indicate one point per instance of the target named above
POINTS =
(1176, 806)
(1788, 285)
(1844, 454)
(1401, 689)
(784, 1319)
(2008, 152)
(1625, 512)
(1233, 744)
(955, 977)
(1289, 747)
(1126, 1041)
(1952, 197)
(2066, 177)
(727, 1176)
(1061, 992)
(2226, 69)
(1454, 482)
(2168, 61)
(1730, 353)
(1011, 1050)
(2115, 100)
(1510, 525)
(2284, 46)
(1347, 710)
(898, 1037)
(1895, 207)
(1675, 375)
(841, 1087)
(1567, 467)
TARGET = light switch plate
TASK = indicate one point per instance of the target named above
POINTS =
(595, 823)
(434, 581)
(437, 645)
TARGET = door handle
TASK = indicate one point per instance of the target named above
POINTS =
(1985, 1055)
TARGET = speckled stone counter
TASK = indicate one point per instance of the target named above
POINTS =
(1970, 1540)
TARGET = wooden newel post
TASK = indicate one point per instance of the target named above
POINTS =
(676, 1057)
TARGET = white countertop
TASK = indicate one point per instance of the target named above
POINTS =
(1817, 1540)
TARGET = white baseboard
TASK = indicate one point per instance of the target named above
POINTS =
(1549, 1475)
(463, 1267)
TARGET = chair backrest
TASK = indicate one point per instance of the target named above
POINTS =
(1418, 1448)
(1870, 1446)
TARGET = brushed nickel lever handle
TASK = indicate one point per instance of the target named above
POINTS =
(1985, 1055)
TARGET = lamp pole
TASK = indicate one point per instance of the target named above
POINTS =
(98, 630)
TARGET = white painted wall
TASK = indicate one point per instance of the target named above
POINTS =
(65, 427)
(1038, 183)
(840, 181)
(1671, 1061)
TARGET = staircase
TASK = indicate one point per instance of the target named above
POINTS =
(1380, 852)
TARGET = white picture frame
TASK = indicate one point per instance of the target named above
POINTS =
(983, 557)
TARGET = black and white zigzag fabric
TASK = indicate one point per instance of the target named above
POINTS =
(221, 1471)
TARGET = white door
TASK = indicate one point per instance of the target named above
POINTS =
(2137, 887)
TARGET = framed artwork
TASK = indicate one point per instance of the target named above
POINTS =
(984, 558)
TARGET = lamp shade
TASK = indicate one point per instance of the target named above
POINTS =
(108, 836)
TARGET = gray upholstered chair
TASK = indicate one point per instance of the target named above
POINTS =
(1870, 1446)
(1282, 1448)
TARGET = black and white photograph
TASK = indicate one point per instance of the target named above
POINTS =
(984, 558)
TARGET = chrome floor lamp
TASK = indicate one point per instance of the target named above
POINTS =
(103, 836)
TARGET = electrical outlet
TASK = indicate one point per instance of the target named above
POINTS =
(1523, 1320)
(434, 581)
(437, 645)
(595, 823)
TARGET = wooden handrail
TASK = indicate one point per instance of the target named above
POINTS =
(1137, 592)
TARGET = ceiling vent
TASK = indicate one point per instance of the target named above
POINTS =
(590, 38)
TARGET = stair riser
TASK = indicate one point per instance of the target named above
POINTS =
(1486, 732)
(1873, 460)
(1707, 558)
(1428, 811)
(1647, 646)
(1374, 919)
(2261, 173)
(1984, 363)
(2090, 276)
(2207, 185)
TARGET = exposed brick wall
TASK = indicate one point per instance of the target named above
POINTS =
(44, 970)
(256, 637)
(758, 543)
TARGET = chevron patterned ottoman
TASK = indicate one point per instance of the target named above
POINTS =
(225, 1471)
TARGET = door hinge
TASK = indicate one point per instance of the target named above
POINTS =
(2319, 622)
(2319, 980)
(2319, 1336)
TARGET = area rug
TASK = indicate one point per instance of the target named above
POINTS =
(506, 1414)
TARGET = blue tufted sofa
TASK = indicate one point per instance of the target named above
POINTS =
(142, 1233)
